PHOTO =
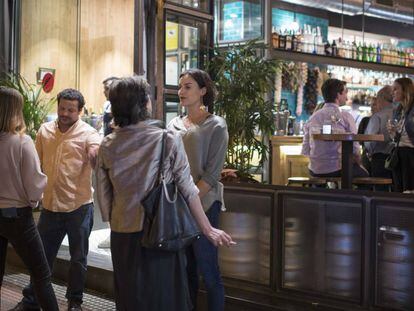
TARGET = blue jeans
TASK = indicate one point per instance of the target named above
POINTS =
(202, 257)
(53, 226)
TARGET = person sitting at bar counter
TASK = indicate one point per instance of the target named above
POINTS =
(325, 156)
(378, 151)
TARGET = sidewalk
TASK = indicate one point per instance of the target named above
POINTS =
(14, 281)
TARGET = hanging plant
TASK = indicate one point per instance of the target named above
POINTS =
(291, 76)
(303, 77)
(311, 90)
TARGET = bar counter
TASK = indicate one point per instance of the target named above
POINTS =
(286, 159)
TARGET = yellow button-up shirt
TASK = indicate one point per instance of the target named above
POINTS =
(64, 160)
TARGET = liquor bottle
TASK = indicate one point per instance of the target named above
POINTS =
(372, 55)
(359, 51)
(275, 38)
(282, 41)
(308, 40)
(379, 60)
(300, 41)
(327, 49)
(315, 41)
(319, 41)
(294, 46)
(334, 49)
(340, 48)
(364, 53)
(354, 52)
(288, 40)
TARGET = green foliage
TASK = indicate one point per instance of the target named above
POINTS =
(243, 79)
(36, 107)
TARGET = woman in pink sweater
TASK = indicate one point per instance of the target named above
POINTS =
(21, 187)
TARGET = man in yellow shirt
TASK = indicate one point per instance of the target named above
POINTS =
(67, 150)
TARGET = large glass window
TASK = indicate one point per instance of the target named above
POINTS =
(238, 20)
(185, 43)
(172, 108)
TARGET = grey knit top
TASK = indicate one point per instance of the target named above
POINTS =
(206, 147)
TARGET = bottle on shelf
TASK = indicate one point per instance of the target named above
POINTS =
(372, 53)
(300, 41)
(294, 46)
(282, 41)
(340, 48)
(364, 53)
(334, 49)
(315, 41)
(328, 49)
(288, 40)
(319, 41)
(275, 38)
(354, 48)
(378, 54)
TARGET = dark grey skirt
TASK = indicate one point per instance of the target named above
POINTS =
(145, 279)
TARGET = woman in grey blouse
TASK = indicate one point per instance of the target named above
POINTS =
(128, 161)
(205, 140)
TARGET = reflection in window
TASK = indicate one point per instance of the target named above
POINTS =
(181, 48)
(172, 108)
(196, 4)
(238, 20)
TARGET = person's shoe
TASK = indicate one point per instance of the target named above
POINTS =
(21, 306)
(74, 306)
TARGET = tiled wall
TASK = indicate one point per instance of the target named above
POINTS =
(242, 20)
(281, 19)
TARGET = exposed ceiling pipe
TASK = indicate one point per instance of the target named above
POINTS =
(398, 13)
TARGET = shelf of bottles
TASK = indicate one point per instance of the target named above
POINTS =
(362, 84)
(310, 41)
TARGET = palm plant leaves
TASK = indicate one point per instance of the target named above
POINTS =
(35, 107)
(243, 78)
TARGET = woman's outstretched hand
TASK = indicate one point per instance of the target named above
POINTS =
(219, 237)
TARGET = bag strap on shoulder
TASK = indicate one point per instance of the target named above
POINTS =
(160, 175)
(399, 134)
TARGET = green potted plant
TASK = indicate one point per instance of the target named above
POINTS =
(36, 107)
(243, 78)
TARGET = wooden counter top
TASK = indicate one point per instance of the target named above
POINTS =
(280, 140)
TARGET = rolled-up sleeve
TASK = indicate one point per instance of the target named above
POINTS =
(351, 128)
(93, 140)
(34, 181)
(104, 189)
(181, 168)
(216, 155)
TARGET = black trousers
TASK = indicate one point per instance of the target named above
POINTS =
(378, 169)
(403, 175)
(20, 230)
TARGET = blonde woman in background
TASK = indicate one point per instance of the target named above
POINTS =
(403, 95)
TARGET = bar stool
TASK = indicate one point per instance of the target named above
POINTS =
(306, 181)
(334, 180)
(373, 182)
